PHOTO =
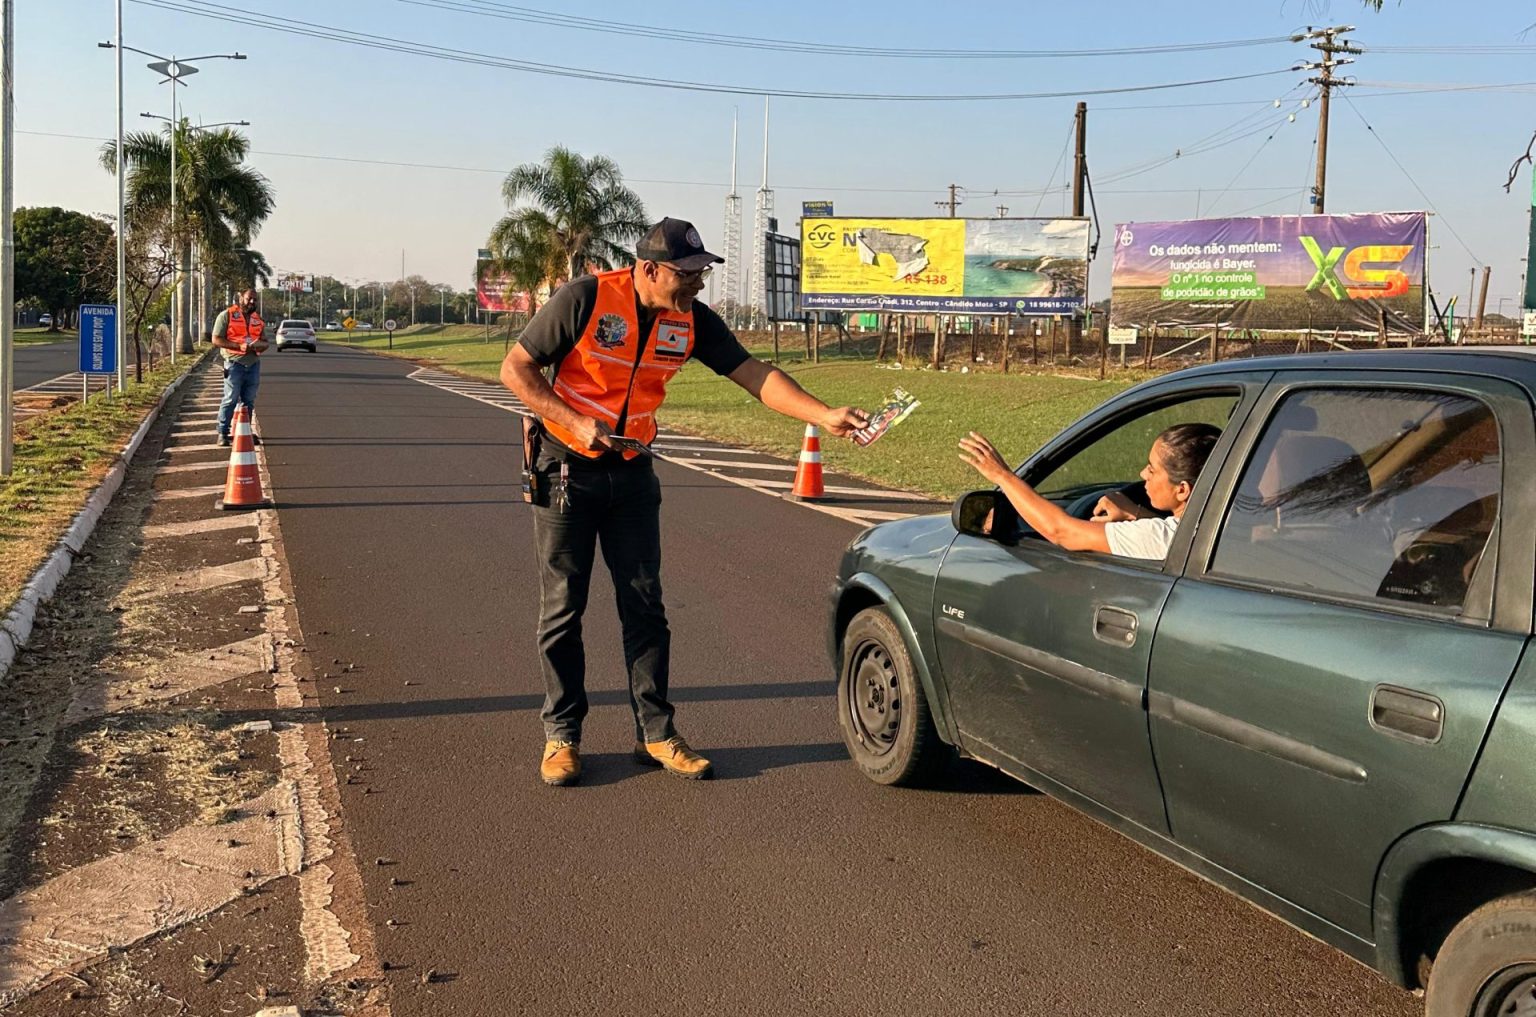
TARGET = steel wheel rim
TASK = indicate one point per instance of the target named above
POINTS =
(874, 697)
(1510, 993)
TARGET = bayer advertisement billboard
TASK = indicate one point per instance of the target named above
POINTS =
(1350, 273)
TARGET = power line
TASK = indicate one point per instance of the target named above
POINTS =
(1052, 175)
(291, 26)
(1382, 142)
(509, 12)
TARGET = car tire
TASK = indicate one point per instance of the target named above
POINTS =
(1487, 965)
(881, 709)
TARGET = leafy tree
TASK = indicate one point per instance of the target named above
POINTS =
(221, 203)
(64, 259)
(579, 206)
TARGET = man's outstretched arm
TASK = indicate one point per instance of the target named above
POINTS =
(782, 394)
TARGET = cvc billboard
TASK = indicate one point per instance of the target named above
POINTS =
(1278, 273)
(968, 266)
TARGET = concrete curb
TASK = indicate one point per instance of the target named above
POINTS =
(16, 627)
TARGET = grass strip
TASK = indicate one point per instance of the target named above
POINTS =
(58, 459)
(1018, 411)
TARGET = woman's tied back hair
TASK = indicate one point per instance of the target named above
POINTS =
(1186, 447)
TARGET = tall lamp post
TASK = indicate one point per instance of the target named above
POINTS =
(173, 71)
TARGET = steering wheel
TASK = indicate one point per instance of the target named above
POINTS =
(1082, 507)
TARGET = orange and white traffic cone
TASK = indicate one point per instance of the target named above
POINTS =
(808, 486)
(243, 488)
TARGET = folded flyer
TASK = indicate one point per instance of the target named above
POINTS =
(896, 408)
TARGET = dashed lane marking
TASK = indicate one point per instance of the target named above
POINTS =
(218, 464)
(207, 578)
(226, 521)
(71, 920)
(187, 492)
(107, 692)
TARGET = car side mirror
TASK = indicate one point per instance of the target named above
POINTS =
(975, 512)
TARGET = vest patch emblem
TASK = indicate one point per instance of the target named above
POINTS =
(672, 338)
(611, 330)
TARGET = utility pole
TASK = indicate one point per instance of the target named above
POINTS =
(1080, 162)
(1482, 300)
(952, 202)
(1326, 42)
(1079, 181)
(1002, 211)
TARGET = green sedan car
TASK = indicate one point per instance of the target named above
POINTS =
(1319, 697)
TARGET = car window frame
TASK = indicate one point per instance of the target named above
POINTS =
(1247, 385)
(1496, 599)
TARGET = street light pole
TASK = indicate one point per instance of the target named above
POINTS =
(7, 236)
(174, 70)
(122, 227)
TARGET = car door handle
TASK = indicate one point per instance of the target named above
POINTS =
(1115, 626)
(1407, 713)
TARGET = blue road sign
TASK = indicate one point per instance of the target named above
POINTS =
(98, 339)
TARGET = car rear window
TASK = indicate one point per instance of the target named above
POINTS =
(294, 324)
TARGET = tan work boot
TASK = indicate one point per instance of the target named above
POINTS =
(561, 765)
(674, 756)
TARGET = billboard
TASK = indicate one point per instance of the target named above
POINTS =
(295, 282)
(1279, 273)
(494, 290)
(969, 266)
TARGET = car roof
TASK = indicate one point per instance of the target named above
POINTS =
(1483, 358)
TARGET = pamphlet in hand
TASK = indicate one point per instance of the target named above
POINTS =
(896, 408)
(625, 444)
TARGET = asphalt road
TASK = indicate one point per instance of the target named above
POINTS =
(788, 885)
(39, 362)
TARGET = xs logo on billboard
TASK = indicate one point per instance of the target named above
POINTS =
(1360, 283)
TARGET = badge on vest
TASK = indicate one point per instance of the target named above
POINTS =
(672, 339)
(611, 330)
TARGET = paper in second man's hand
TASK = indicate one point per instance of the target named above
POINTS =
(898, 406)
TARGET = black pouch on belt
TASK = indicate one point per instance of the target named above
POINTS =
(535, 489)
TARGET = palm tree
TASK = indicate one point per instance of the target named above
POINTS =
(579, 205)
(220, 202)
(526, 255)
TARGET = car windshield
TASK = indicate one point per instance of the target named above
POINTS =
(295, 324)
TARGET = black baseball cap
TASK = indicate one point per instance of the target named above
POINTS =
(677, 243)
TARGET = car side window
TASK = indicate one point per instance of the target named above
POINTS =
(1115, 458)
(1386, 494)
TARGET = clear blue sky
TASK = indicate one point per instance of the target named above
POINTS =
(318, 97)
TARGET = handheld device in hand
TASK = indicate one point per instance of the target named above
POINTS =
(625, 444)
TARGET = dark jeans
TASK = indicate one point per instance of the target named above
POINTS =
(240, 384)
(618, 507)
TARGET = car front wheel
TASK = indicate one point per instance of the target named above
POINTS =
(881, 709)
(1487, 965)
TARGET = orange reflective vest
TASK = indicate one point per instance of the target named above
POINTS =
(613, 366)
(243, 329)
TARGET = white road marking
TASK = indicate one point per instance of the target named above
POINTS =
(494, 396)
(224, 521)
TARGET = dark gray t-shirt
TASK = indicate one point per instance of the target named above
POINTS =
(557, 326)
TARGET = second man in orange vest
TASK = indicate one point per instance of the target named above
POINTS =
(613, 341)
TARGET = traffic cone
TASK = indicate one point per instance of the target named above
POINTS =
(808, 486)
(243, 488)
